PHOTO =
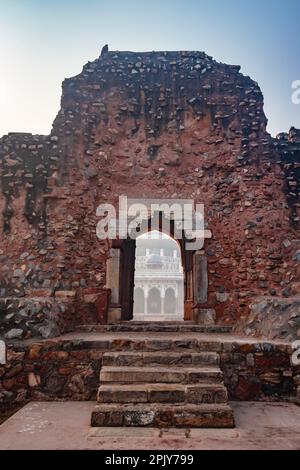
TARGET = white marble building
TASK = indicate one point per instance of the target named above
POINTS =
(159, 280)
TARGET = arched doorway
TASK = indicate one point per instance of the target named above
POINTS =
(139, 301)
(154, 302)
(122, 266)
(158, 266)
(170, 302)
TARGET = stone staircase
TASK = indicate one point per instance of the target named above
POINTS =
(182, 387)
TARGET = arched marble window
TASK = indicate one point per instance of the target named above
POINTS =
(170, 302)
(139, 301)
(154, 302)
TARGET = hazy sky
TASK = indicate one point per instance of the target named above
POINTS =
(44, 41)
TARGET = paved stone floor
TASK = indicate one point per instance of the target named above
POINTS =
(65, 425)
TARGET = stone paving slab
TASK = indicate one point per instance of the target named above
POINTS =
(66, 425)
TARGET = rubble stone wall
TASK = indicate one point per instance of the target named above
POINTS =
(50, 372)
(163, 125)
(273, 318)
(69, 369)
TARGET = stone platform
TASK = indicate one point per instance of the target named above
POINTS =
(66, 426)
(68, 367)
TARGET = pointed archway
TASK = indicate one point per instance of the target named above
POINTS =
(159, 278)
(120, 276)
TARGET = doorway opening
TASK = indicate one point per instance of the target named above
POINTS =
(158, 279)
(173, 294)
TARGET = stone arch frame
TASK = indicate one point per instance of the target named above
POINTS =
(194, 264)
(162, 285)
(185, 256)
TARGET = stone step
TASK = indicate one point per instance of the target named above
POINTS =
(163, 415)
(158, 374)
(154, 327)
(165, 342)
(162, 393)
(138, 359)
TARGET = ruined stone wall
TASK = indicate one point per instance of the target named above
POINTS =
(69, 369)
(50, 371)
(288, 146)
(163, 125)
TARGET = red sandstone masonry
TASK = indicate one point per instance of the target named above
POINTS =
(175, 125)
